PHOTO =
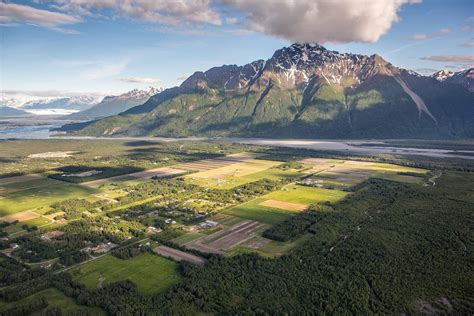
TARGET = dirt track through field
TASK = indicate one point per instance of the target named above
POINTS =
(178, 255)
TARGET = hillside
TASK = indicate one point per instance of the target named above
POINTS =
(9, 111)
(303, 91)
(113, 105)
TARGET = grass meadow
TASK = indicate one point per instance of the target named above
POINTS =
(151, 273)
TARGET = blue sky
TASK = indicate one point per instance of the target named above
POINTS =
(126, 44)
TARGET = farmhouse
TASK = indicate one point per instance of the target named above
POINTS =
(49, 236)
(103, 247)
(153, 230)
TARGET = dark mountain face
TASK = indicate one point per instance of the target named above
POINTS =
(304, 91)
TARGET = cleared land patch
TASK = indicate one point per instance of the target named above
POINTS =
(208, 164)
(254, 210)
(284, 205)
(227, 238)
(229, 176)
(151, 273)
(146, 174)
(20, 217)
(178, 255)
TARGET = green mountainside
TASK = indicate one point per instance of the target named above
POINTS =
(303, 91)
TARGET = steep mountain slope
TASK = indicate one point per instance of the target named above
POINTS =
(113, 105)
(464, 78)
(303, 91)
(9, 111)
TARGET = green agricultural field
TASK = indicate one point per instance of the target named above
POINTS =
(55, 298)
(184, 239)
(305, 195)
(46, 192)
(233, 175)
(151, 273)
(253, 211)
(291, 193)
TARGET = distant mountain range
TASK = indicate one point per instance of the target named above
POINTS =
(112, 105)
(304, 91)
(60, 105)
(10, 111)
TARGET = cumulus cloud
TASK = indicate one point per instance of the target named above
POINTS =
(451, 58)
(11, 14)
(140, 80)
(169, 12)
(321, 20)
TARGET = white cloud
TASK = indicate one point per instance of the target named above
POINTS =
(104, 69)
(11, 14)
(420, 37)
(321, 20)
(468, 28)
(445, 31)
(94, 69)
(232, 21)
(424, 37)
(451, 58)
(140, 80)
(470, 19)
(168, 12)
(469, 44)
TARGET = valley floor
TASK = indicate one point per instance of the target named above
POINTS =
(139, 226)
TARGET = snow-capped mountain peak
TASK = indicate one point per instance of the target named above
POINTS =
(442, 75)
(140, 94)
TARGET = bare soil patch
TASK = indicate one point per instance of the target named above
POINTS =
(284, 205)
(228, 238)
(21, 217)
(53, 154)
(178, 255)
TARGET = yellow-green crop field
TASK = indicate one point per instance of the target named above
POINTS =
(43, 192)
